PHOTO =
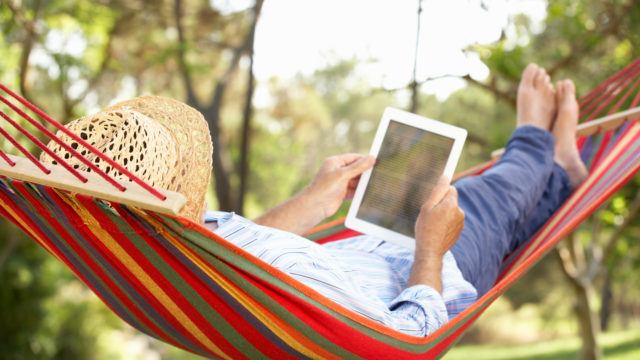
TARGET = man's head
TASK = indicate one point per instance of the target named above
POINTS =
(162, 141)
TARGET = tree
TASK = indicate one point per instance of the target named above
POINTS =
(586, 40)
(213, 108)
(115, 47)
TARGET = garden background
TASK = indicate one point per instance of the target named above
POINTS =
(284, 84)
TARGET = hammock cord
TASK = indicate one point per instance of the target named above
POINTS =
(79, 140)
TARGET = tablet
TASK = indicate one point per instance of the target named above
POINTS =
(412, 152)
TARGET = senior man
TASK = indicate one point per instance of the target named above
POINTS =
(463, 231)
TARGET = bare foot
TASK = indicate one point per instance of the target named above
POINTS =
(564, 129)
(536, 98)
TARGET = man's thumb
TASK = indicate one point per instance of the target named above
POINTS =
(438, 192)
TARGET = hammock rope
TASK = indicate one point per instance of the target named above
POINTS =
(176, 281)
(48, 119)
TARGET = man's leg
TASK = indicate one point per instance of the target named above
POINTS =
(568, 169)
(493, 228)
(556, 192)
(498, 203)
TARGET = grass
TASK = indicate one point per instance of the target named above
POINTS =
(616, 345)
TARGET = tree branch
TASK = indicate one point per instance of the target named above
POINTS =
(107, 56)
(212, 114)
(182, 62)
(27, 43)
(216, 43)
(595, 250)
(420, 83)
(577, 252)
(579, 48)
(414, 86)
(493, 88)
(632, 215)
(566, 262)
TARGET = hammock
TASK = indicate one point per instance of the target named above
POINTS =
(176, 281)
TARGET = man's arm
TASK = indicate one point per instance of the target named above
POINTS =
(335, 182)
(437, 229)
(420, 309)
(296, 215)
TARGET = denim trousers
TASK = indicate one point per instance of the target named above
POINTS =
(507, 204)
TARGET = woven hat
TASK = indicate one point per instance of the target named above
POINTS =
(160, 140)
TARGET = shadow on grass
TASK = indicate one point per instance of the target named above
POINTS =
(623, 347)
(618, 349)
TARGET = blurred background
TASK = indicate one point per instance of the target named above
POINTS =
(284, 84)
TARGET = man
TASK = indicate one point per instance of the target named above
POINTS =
(463, 232)
(457, 257)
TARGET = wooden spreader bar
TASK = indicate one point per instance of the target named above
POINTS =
(95, 182)
(96, 186)
(589, 128)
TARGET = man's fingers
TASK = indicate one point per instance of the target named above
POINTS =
(347, 159)
(450, 200)
(452, 195)
(438, 193)
(359, 166)
(450, 204)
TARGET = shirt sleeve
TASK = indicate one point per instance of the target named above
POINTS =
(219, 217)
(419, 310)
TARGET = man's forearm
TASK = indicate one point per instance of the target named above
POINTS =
(296, 215)
(427, 270)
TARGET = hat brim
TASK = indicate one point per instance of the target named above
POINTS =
(190, 131)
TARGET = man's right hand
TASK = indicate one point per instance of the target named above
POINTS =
(440, 221)
(437, 229)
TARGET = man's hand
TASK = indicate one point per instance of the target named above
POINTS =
(440, 221)
(438, 227)
(337, 180)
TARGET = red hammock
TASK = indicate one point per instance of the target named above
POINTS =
(176, 281)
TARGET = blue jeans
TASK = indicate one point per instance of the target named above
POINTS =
(507, 204)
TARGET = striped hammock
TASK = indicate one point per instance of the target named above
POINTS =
(176, 281)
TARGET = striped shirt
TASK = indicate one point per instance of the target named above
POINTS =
(364, 274)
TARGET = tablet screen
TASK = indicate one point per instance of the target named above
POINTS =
(408, 166)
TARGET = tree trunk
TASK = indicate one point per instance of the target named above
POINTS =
(27, 43)
(574, 266)
(245, 146)
(588, 321)
(222, 163)
(414, 86)
(221, 172)
(606, 300)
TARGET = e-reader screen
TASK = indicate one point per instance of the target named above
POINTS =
(408, 166)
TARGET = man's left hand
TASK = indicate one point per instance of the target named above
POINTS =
(337, 180)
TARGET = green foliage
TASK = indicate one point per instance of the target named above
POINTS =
(22, 310)
(44, 312)
(585, 41)
(130, 47)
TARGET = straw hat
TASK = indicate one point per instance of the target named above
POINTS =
(162, 141)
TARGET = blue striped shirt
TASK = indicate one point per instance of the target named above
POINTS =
(364, 274)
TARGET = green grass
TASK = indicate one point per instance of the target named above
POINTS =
(617, 346)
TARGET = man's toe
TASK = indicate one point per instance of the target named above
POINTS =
(538, 80)
(570, 87)
(528, 74)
